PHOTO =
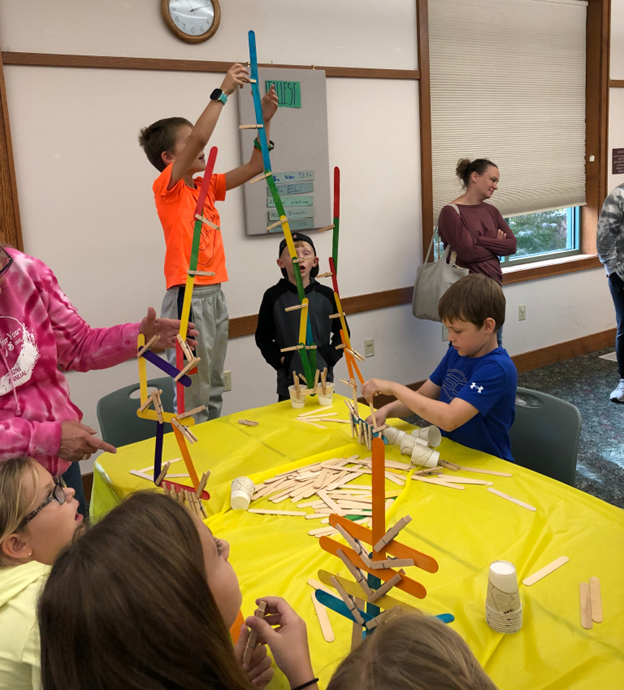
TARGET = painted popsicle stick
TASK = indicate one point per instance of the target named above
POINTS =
(407, 584)
(142, 370)
(363, 534)
(546, 570)
(169, 369)
(335, 237)
(379, 489)
(203, 191)
(338, 605)
(303, 321)
(160, 433)
(148, 346)
(179, 385)
(190, 468)
(181, 487)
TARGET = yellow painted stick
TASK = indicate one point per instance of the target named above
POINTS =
(142, 370)
(343, 323)
(186, 306)
(288, 237)
(303, 323)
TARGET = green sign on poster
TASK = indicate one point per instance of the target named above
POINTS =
(288, 92)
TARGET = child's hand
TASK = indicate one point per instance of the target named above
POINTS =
(269, 104)
(380, 416)
(288, 643)
(375, 387)
(236, 76)
(166, 329)
(259, 669)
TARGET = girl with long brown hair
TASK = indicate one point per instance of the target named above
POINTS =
(144, 601)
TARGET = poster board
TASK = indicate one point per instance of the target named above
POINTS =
(300, 159)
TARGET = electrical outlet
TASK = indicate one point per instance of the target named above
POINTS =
(227, 381)
(522, 312)
(369, 348)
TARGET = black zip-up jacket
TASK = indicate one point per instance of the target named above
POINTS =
(278, 329)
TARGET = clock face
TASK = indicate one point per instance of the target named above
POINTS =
(192, 17)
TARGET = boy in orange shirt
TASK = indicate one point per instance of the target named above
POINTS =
(176, 148)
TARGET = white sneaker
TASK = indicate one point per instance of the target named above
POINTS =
(617, 395)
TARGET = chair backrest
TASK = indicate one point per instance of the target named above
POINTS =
(545, 435)
(116, 413)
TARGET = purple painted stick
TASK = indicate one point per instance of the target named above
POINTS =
(160, 433)
(169, 369)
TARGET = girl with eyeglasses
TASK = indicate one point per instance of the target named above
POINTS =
(38, 518)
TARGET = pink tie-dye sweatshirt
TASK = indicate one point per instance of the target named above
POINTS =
(42, 335)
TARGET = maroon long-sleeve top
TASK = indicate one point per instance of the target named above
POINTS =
(472, 235)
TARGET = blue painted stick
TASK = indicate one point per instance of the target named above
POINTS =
(160, 433)
(169, 369)
(338, 605)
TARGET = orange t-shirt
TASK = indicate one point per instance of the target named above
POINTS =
(176, 210)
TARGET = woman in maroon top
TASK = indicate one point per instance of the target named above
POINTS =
(476, 231)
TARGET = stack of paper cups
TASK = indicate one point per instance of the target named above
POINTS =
(394, 435)
(431, 434)
(503, 609)
(242, 491)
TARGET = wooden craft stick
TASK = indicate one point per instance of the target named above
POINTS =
(356, 572)
(348, 600)
(296, 380)
(253, 635)
(510, 498)
(195, 410)
(392, 563)
(317, 415)
(394, 478)
(293, 348)
(261, 177)
(256, 126)
(247, 422)
(322, 532)
(596, 599)
(190, 468)
(463, 480)
(207, 222)
(276, 512)
(320, 480)
(330, 503)
(438, 482)
(163, 473)
(474, 469)
(323, 618)
(337, 316)
(315, 584)
(297, 306)
(392, 533)
(274, 225)
(586, 608)
(386, 587)
(317, 374)
(318, 426)
(546, 570)
(325, 275)
(143, 475)
(324, 229)
(448, 465)
(201, 273)
(148, 346)
(342, 346)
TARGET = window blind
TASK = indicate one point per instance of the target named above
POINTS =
(508, 84)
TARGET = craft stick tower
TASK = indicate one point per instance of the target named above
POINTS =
(386, 561)
(183, 419)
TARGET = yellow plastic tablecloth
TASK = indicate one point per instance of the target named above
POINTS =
(464, 530)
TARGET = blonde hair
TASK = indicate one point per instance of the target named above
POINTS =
(15, 501)
(411, 652)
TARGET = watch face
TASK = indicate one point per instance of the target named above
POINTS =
(192, 17)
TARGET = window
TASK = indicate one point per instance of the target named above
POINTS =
(545, 235)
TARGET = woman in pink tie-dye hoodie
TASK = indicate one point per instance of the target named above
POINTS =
(41, 336)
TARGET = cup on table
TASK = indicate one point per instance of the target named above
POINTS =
(296, 402)
(394, 435)
(328, 397)
(503, 608)
(430, 434)
(423, 456)
(242, 490)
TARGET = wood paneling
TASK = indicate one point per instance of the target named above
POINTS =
(424, 97)
(167, 65)
(597, 119)
(10, 225)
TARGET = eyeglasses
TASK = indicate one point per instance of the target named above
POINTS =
(57, 494)
(5, 262)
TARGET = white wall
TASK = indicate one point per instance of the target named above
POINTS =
(85, 186)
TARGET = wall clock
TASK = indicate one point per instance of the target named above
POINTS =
(192, 21)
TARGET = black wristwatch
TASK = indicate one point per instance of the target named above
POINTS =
(218, 95)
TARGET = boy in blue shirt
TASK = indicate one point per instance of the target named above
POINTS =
(471, 395)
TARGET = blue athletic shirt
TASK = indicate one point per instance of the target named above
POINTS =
(489, 384)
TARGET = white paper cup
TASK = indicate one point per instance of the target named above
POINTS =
(394, 435)
(242, 491)
(424, 456)
(296, 402)
(431, 434)
(407, 444)
(325, 399)
(503, 576)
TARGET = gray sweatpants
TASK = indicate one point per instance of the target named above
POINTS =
(210, 316)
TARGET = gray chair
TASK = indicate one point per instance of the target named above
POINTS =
(116, 413)
(545, 435)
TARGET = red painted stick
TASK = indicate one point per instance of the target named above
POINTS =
(212, 157)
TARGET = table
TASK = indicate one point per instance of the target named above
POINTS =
(464, 530)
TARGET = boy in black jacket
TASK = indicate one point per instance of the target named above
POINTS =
(278, 328)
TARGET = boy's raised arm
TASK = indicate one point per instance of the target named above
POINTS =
(204, 127)
(238, 176)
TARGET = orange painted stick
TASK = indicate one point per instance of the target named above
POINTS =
(379, 495)
(190, 468)
(347, 357)
(406, 584)
(363, 534)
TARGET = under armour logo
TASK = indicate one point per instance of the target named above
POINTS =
(478, 388)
